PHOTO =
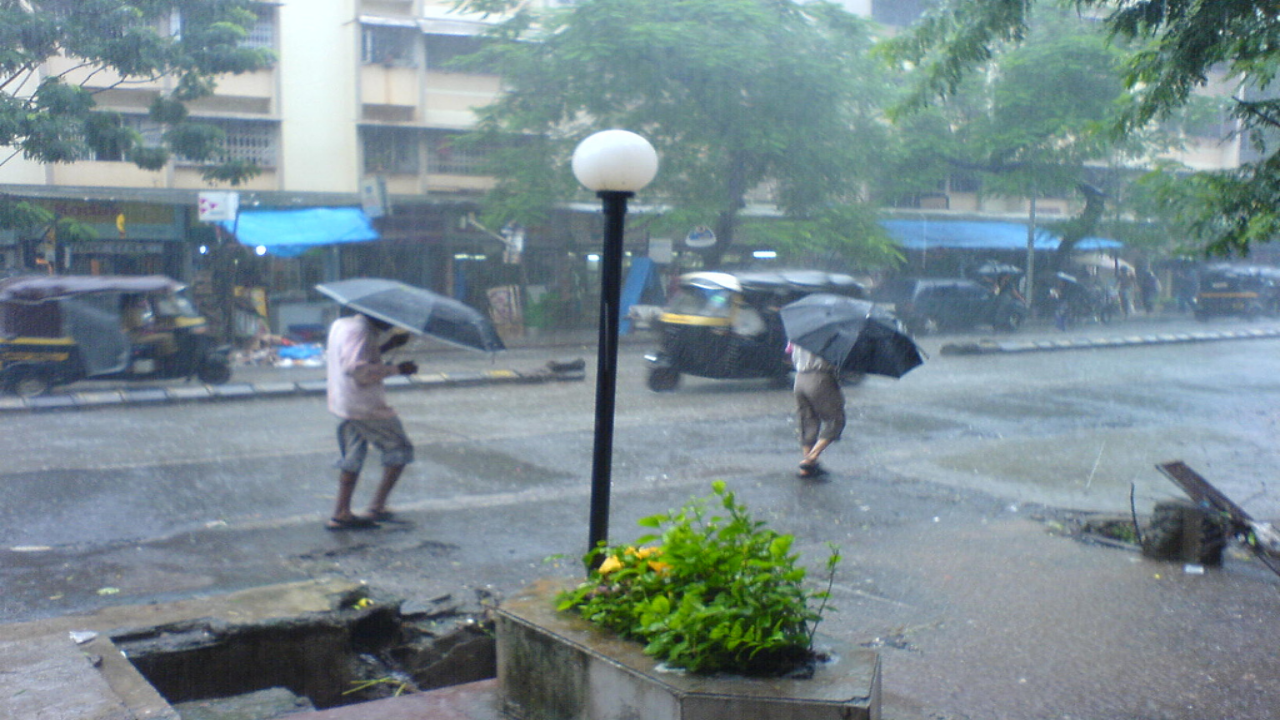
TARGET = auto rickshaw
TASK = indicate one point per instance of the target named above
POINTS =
(57, 330)
(726, 325)
(1249, 291)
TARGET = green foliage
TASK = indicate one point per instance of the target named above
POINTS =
(732, 93)
(57, 120)
(34, 221)
(1178, 47)
(717, 593)
(837, 236)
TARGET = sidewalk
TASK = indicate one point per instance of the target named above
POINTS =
(453, 367)
(250, 381)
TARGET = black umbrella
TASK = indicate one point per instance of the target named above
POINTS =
(417, 310)
(852, 334)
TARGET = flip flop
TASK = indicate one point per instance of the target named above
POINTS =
(810, 470)
(381, 516)
(354, 523)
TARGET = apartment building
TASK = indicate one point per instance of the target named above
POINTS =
(360, 112)
(358, 101)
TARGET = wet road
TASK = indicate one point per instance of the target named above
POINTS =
(935, 498)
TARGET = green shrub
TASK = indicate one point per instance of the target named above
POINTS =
(717, 593)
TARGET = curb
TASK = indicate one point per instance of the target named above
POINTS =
(989, 347)
(245, 391)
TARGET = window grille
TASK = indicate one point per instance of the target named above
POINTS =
(152, 135)
(251, 140)
(263, 32)
(445, 157)
(391, 150)
(390, 46)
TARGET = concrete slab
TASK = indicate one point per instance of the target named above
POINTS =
(50, 678)
(473, 701)
(233, 390)
(47, 676)
(556, 665)
(275, 388)
(110, 397)
(146, 395)
(199, 392)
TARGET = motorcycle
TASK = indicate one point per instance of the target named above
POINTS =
(1079, 302)
(726, 325)
(57, 330)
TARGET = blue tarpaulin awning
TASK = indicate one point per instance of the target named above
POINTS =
(289, 233)
(979, 235)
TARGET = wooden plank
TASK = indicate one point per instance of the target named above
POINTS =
(1199, 489)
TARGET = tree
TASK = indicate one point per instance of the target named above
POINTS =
(843, 237)
(56, 119)
(734, 94)
(114, 44)
(1029, 122)
(1179, 45)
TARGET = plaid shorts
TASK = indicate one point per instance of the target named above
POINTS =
(355, 437)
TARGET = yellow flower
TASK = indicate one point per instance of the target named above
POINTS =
(614, 562)
(644, 552)
(610, 564)
(658, 566)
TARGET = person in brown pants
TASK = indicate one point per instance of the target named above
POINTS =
(819, 408)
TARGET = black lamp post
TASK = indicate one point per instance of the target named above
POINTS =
(615, 164)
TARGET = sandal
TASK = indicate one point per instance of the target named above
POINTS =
(352, 523)
(810, 470)
(380, 516)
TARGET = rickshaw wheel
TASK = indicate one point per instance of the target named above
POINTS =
(29, 384)
(214, 373)
(663, 379)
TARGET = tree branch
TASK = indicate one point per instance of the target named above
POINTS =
(1255, 109)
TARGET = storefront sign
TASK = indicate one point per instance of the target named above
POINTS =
(217, 206)
(118, 247)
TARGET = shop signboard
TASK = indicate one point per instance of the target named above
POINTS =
(217, 206)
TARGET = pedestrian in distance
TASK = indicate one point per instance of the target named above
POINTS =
(1127, 285)
(820, 414)
(1149, 288)
(355, 375)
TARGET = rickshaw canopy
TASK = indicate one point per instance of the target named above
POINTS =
(84, 308)
(40, 288)
(781, 281)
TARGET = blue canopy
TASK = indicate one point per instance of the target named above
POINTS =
(289, 233)
(979, 235)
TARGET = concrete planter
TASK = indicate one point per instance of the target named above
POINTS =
(557, 666)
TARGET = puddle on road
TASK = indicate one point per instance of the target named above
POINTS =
(471, 461)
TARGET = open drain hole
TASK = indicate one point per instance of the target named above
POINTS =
(363, 649)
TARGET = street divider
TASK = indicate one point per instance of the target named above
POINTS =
(553, 371)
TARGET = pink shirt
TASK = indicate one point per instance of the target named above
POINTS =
(356, 371)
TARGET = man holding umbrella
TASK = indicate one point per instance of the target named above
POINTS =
(830, 335)
(357, 396)
(819, 408)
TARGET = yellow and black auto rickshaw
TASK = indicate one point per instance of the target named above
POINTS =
(1249, 291)
(56, 330)
(725, 325)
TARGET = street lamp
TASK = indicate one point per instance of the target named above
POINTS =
(615, 164)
